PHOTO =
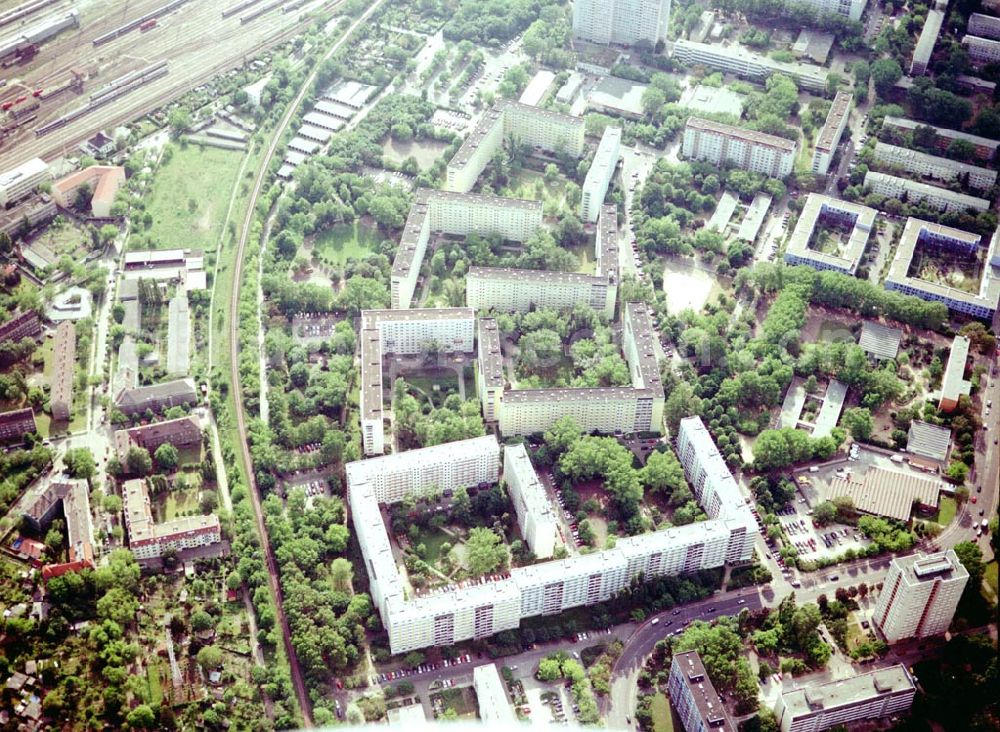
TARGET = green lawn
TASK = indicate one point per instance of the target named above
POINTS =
(991, 579)
(174, 503)
(341, 242)
(153, 679)
(462, 700)
(663, 718)
(585, 253)
(947, 509)
(433, 540)
(189, 198)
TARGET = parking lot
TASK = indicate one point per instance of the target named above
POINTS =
(817, 542)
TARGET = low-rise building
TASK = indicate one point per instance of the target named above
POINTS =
(926, 42)
(149, 540)
(979, 303)
(865, 697)
(824, 211)
(179, 334)
(63, 371)
(919, 595)
(928, 440)
(982, 51)
(984, 147)
(954, 385)
(537, 88)
(595, 187)
(699, 706)
(15, 424)
(750, 226)
(535, 515)
(19, 182)
(916, 192)
(102, 181)
(757, 152)
(181, 432)
(157, 397)
(832, 131)
(734, 59)
(494, 706)
(888, 493)
(932, 166)
(879, 341)
(22, 324)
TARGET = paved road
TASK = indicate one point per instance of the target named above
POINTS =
(262, 175)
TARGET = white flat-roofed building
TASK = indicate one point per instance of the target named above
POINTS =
(919, 595)
(757, 152)
(985, 148)
(677, 550)
(750, 226)
(595, 187)
(984, 26)
(457, 214)
(714, 486)
(979, 304)
(494, 706)
(535, 515)
(534, 93)
(821, 209)
(19, 182)
(438, 468)
(737, 60)
(586, 579)
(982, 51)
(932, 166)
(699, 706)
(149, 540)
(865, 697)
(621, 21)
(926, 42)
(851, 9)
(639, 344)
(384, 581)
(520, 290)
(723, 212)
(833, 130)
(928, 440)
(540, 128)
(490, 375)
(623, 408)
(403, 332)
(954, 385)
(915, 192)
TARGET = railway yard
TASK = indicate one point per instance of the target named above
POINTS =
(156, 58)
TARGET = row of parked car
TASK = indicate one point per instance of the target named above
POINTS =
(422, 669)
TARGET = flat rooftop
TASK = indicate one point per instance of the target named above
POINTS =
(706, 699)
(490, 353)
(829, 135)
(535, 275)
(894, 154)
(889, 493)
(909, 124)
(589, 394)
(818, 205)
(372, 318)
(847, 692)
(739, 133)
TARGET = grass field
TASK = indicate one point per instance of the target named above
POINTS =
(174, 503)
(663, 719)
(341, 242)
(188, 205)
(153, 679)
(433, 541)
(462, 700)
(947, 509)
(991, 578)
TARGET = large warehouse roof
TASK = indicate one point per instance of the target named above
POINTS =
(886, 492)
(928, 440)
(879, 340)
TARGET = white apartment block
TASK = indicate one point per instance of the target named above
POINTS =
(490, 380)
(851, 9)
(982, 51)
(869, 696)
(595, 187)
(919, 595)
(915, 192)
(639, 345)
(737, 60)
(520, 290)
(833, 130)
(820, 209)
(539, 128)
(611, 409)
(932, 166)
(714, 486)
(18, 182)
(754, 151)
(621, 21)
(438, 468)
(586, 579)
(494, 706)
(535, 515)
(149, 540)
(455, 214)
(979, 304)
(984, 26)
(925, 43)
(403, 332)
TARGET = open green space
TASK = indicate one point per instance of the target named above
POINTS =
(992, 579)
(530, 184)
(425, 152)
(341, 242)
(433, 540)
(462, 700)
(188, 205)
(947, 509)
(585, 254)
(663, 718)
(63, 237)
(173, 503)
(153, 680)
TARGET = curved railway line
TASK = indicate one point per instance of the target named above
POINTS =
(234, 349)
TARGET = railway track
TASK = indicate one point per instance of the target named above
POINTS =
(234, 349)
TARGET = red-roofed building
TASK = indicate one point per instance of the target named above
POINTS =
(104, 182)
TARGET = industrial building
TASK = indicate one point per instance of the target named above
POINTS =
(734, 59)
(602, 170)
(984, 147)
(819, 212)
(982, 51)
(928, 440)
(832, 131)
(915, 192)
(888, 493)
(862, 698)
(102, 181)
(536, 517)
(455, 214)
(926, 42)
(757, 152)
(919, 595)
(539, 128)
(19, 182)
(403, 332)
(918, 233)
(699, 706)
(149, 540)
(932, 166)
(624, 22)
(63, 371)
(954, 385)
(519, 290)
